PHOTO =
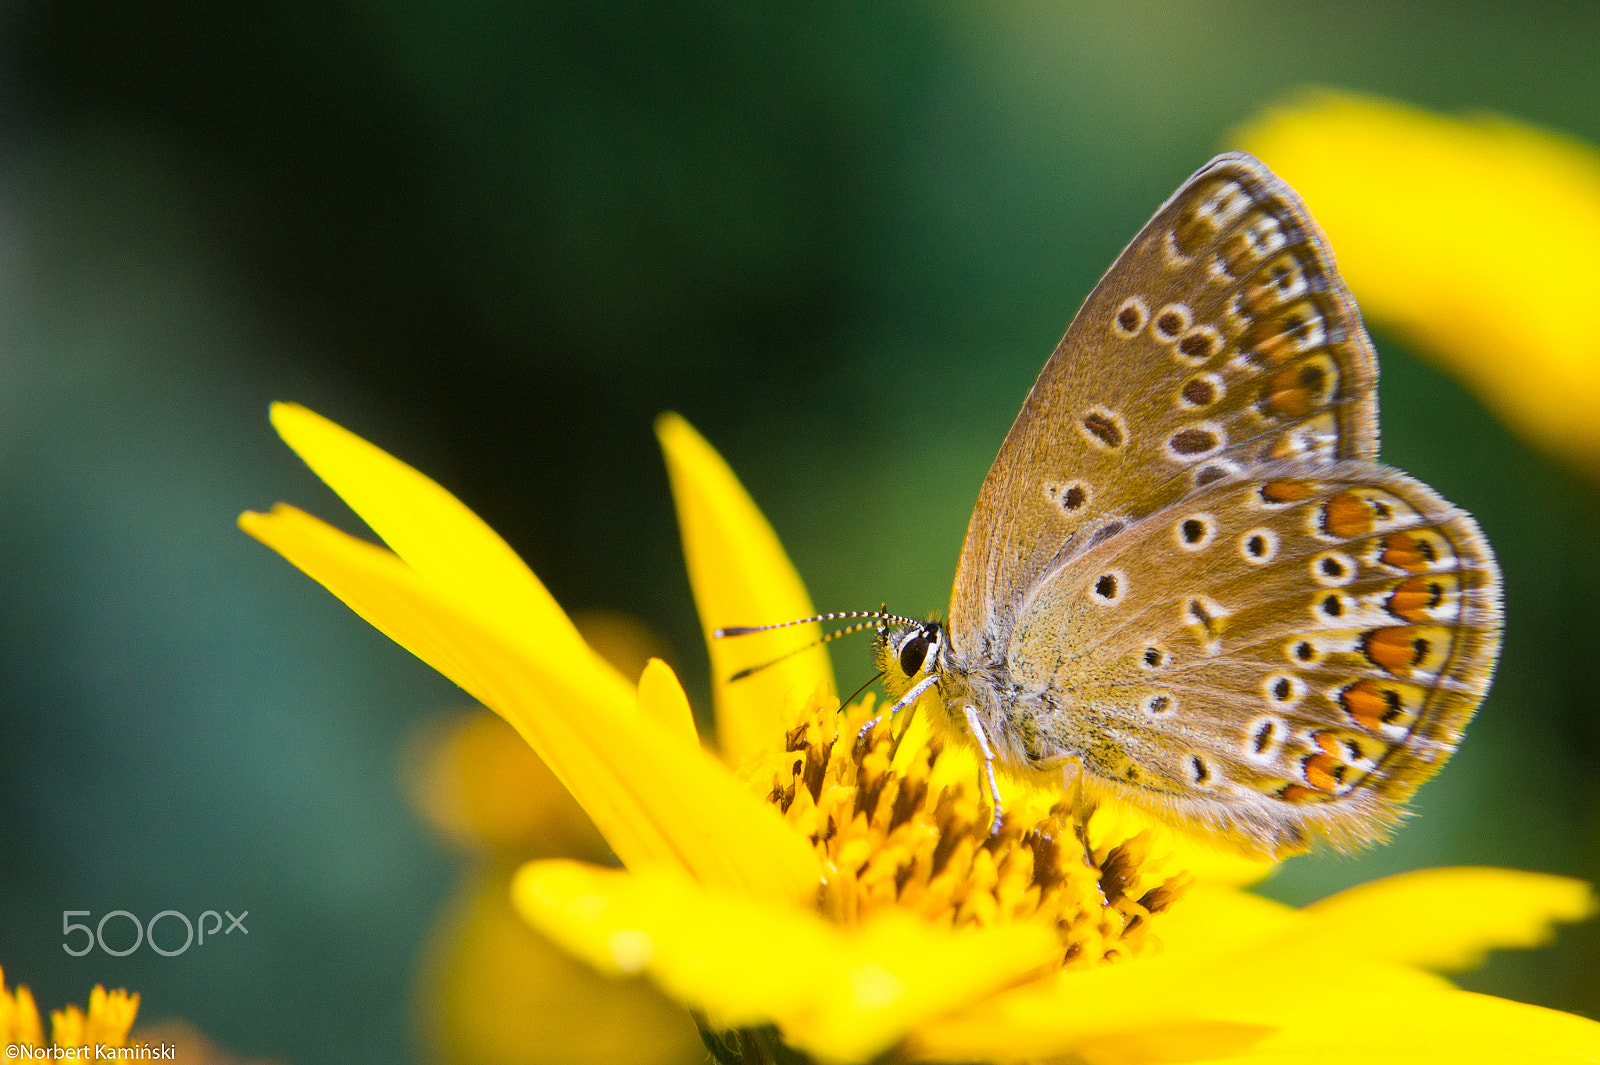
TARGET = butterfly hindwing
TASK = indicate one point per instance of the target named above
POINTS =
(1280, 655)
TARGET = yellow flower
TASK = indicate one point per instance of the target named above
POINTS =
(1474, 236)
(832, 898)
(104, 1023)
(492, 990)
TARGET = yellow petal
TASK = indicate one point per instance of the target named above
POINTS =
(20, 1024)
(662, 698)
(1113, 1010)
(495, 992)
(430, 528)
(1205, 858)
(841, 995)
(1444, 1027)
(1474, 235)
(1216, 946)
(1212, 920)
(1448, 918)
(741, 576)
(1174, 1043)
(657, 799)
(478, 783)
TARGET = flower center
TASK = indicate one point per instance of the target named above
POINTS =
(909, 828)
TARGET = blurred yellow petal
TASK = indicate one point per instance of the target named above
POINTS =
(658, 800)
(741, 576)
(20, 1023)
(621, 639)
(661, 698)
(1476, 236)
(1448, 918)
(477, 782)
(106, 1022)
(839, 994)
(431, 529)
(1172, 1044)
(498, 993)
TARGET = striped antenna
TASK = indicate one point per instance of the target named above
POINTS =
(871, 616)
(878, 615)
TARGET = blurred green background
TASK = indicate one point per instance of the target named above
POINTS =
(497, 241)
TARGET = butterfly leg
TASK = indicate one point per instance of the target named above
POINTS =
(906, 700)
(988, 767)
(1083, 809)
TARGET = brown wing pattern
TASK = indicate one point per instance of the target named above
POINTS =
(1221, 338)
(1280, 656)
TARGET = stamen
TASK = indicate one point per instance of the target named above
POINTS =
(913, 832)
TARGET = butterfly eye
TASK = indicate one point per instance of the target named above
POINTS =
(912, 654)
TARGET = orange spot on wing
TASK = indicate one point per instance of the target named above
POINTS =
(1412, 599)
(1321, 770)
(1285, 491)
(1296, 793)
(1347, 515)
(1285, 396)
(1367, 703)
(1396, 649)
(1406, 551)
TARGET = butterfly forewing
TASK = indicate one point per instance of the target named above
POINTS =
(1279, 656)
(1220, 339)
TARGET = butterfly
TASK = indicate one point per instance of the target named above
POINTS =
(1188, 584)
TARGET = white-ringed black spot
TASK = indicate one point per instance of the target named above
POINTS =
(1153, 657)
(1333, 569)
(1199, 345)
(1208, 473)
(1103, 428)
(1196, 441)
(1195, 532)
(1170, 322)
(1109, 587)
(1199, 772)
(1301, 651)
(1283, 689)
(1201, 390)
(1266, 733)
(1258, 546)
(1331, 606)
(1070, 497)
(1131, 317)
